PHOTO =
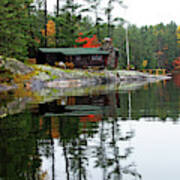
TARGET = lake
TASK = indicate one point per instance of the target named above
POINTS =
(120, 134)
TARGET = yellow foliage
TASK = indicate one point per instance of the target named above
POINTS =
(178, 29)
(21, 92)
(178, 42)
(145, 62)
(22, 78)
(178, 34)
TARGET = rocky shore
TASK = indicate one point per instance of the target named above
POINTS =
(37, 77)
(22, 85)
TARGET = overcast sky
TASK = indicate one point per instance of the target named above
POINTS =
(145, 12)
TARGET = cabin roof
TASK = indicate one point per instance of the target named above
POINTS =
(75, 51)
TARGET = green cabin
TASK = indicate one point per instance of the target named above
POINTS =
(80, 57)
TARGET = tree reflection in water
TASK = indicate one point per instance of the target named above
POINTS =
(92, 141)
(19, 150)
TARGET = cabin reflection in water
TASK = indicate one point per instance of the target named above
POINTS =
(86, 138)
(78, 108)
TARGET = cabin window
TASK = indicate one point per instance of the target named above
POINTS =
(78, 58)
(96, 58)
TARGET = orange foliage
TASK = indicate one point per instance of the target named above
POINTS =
(69, 65)
(50, 29)
(88, 42)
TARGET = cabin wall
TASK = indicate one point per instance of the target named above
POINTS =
(49, 58)
(86, 61)
(79, 61)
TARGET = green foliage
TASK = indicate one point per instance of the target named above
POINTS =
(69, 23)
(94, 6)
(21, 26)
(156, 44)
(108, 12)
(14, 25)
(18, 156)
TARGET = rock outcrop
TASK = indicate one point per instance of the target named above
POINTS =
(37, 77)
(15, 66)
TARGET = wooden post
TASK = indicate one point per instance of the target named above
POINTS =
(57, 31)
(45, 17)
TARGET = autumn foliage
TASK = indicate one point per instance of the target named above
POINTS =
(51, 31)
(176, 63)
(69, 65)
(88, 42)
(90, 118)
(178, 35)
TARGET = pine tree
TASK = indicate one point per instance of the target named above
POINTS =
(68, 23)
(14, 25)
(94, 6)
(108, 13)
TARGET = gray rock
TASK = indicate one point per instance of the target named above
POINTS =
(37, 85)
(7, 88)
(16, 67)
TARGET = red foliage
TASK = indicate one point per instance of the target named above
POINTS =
(176, 63)
(90, 118)
(88, 42)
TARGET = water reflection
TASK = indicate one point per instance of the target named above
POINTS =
(88, 146)
(19, 157)
(176, 79)
(82, 137)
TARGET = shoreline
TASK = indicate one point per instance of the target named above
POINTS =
(45, 84)
(36, 77)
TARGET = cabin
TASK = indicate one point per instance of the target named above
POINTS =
(80, 57)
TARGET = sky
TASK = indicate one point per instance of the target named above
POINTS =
(144, 12)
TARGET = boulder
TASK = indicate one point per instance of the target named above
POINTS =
(15, 66)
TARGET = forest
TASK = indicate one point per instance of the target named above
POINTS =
(27, 25)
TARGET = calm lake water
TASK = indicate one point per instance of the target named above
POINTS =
(118, 135)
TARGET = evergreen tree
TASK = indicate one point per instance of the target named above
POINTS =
(94, 6)
(108, 13)
(155, 44)
(68, 23)
(14, 25)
